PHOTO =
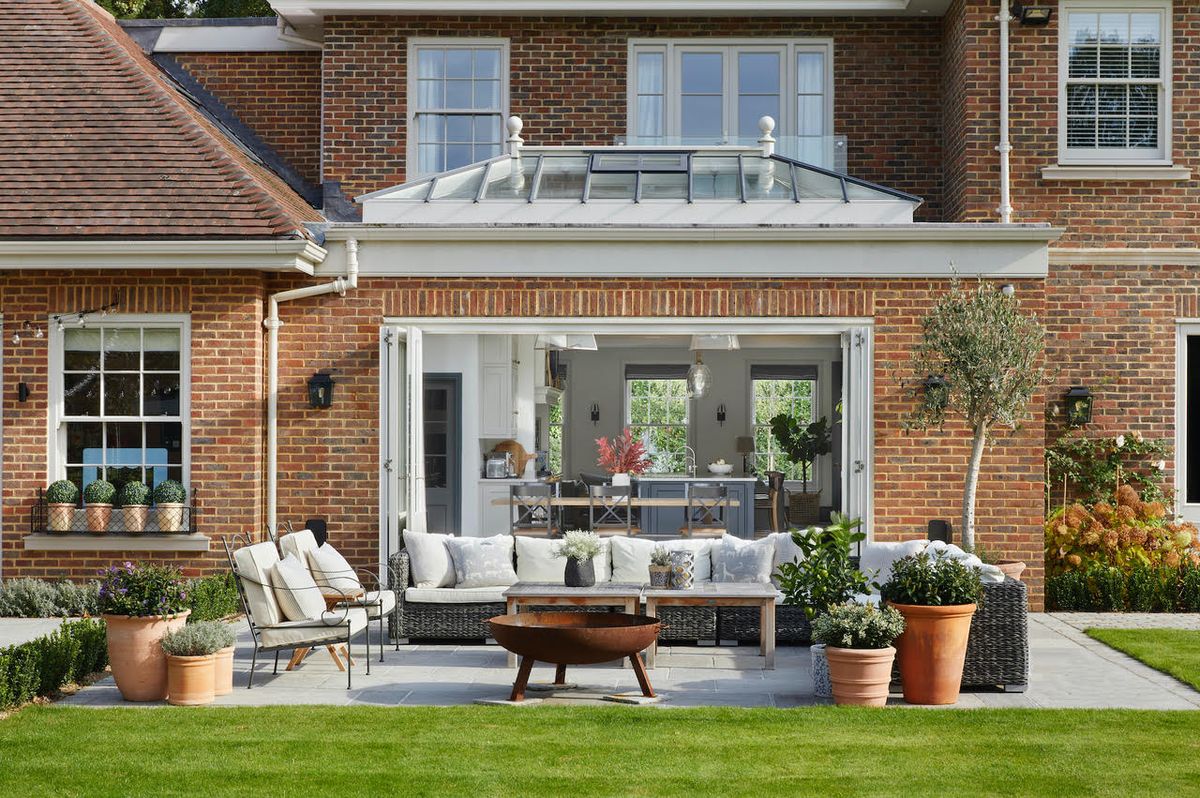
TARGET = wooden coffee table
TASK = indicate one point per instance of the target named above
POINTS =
(604, 594)
(721, 594)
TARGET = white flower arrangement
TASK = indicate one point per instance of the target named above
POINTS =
(578, 545)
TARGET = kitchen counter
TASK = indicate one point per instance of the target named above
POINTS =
(705, 477)
(669, 520)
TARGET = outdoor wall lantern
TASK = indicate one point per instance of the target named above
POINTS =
(595, 414)
(1078, 403)
(721, 414)
(320, 391)
(1030, 15)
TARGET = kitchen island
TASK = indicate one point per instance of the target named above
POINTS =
(667, 521)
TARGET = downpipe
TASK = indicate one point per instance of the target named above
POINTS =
(1004, 147)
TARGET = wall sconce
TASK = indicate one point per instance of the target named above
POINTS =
(1030, 15)
(1078, 403)
(936, 388)
(721, 414)
(595, 414)
(320, 391)
(22, 391)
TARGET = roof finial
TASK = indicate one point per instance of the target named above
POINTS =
(515, 142)
(767, 124)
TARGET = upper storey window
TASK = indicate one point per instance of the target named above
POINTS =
(1115, 83)
(457, 102)
(702, 91)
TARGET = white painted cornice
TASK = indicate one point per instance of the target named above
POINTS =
(281, 255)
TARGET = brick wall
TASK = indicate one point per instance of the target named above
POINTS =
(278, 95)
(569, 86)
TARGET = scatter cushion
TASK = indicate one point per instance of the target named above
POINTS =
(631, 558)
(429, 562)
(332, 573)
(483, 562)
(536, 561)
(455, 595)
(298, 595)
(254, 564)
(786, 550)
(877, 558)
(737, 560)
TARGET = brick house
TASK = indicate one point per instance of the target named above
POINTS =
(480, 251)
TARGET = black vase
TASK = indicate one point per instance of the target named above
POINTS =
(580, 574)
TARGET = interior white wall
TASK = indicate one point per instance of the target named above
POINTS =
(459, 354)
(598, 377)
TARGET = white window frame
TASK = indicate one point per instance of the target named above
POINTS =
(56, 439)
(814, 476)
(673, 48)
(1184, 329)
(1116, 156)
(627, 399)
(459, 43)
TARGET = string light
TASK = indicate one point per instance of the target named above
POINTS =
(79, 317)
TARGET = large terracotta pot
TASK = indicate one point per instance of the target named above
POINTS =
(932, 650)
(223, 671)
(139, 665)
(190, 680)
(1013, 568)
(98, 516)
(860, 676)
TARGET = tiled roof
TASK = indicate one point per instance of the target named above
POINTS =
(95, 141)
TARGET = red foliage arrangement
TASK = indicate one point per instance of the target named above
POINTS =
(624, 454)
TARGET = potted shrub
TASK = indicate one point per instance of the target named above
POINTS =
(579, 548)
(191, 659)
(825, 577)
(169, 498)
(622, 456)
(134, 498)
(937, 597)
(802, 444)
(858, 642)
(140, 604)
(62, 499)
(660, 568)
(97, 505)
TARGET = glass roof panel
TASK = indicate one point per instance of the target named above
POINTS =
(855, 191)
(715, 177)
(416, 191)
(612, 185)
(562, 177)
(510, 179)
(664, 185)
(768, 179)
(462, 185)
(816, 185)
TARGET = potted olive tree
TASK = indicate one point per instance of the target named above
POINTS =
(97, 505)
(660, 568)
(191, 660)
(62, 499)
(134, 498)
(169, 498)
(140, 604)
(580, 549)
(802, 444)
(937, 597)
(858, 642)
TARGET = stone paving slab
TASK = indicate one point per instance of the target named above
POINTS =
(14, 631)
(1129, 620)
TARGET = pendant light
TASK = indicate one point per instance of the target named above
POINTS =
(699, 379)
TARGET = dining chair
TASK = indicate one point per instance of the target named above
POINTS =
(531, 511)
(707, 507)
(610, 511)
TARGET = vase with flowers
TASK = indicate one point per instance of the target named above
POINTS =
(622, 456)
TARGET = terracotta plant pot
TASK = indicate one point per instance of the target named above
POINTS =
(932, 650)
(170, 517)
(190, 680)
(223, 671)
(1013, 568)
(59, 517)
(860, 676)
(134, 518)
(139, 665)
(98, 516)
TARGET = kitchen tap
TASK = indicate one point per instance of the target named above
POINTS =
(689, 460)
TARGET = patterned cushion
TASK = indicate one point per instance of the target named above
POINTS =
(297, 593)
(737, 560)
(483, 562)
(429, 559)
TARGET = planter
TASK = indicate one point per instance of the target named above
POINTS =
(660, 576)
(579, 574)
(1013, 568)
(931, 651)
(223, 671)
(134, 518)
(621, 479)
(683, 570)
(190, 680)
(59, 517)
(170, 517)
(804, 508)
(98, 516)
(139, 665)
(860, 676)
(822, 687)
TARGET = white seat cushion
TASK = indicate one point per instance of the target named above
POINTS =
(454, 595)
(254, 564)
(877, 558)
(329, 627)
(737, 560)
(375, 602)
(429, 562)
(631, 557)
(298, 595)
(483, 562)
(331, 571)
(301, 544)
(536, 561)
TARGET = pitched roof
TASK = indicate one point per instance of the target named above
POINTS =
(96, 141)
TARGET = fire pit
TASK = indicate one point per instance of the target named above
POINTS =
(574, 638)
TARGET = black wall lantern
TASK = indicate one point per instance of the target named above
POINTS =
(1030, 15)
(936, 391)
(595, 413)
(320, 391)
(1078, 403)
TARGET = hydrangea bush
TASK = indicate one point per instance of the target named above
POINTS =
(141, 590)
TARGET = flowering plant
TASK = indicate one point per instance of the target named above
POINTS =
(141, 590)
(578, 545)
(860, 626)
(624, 454)
(1092, 469)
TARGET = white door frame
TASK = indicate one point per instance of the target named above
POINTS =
(1183, 329)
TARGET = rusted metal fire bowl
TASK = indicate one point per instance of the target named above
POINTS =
(574, 638)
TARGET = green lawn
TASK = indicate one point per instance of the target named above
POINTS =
(1172, 651)
(618, 751)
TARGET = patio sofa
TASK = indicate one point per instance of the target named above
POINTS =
(997, 651)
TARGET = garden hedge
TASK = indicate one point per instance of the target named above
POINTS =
(42, 666)
(1103, 588)
(209, 598)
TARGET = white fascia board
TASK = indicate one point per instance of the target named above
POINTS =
(268, 256)
(226, 39)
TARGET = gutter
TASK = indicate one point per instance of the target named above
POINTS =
(292, 254)
(340, 286)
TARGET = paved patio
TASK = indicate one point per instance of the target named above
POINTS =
(14, 631)
(1068, 670)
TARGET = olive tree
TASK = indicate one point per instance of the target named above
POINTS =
(979, 359)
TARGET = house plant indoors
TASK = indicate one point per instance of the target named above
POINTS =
(62, 499)
(622, 457)
(134, 498)
(937, 597)
(97, 505)
(660, 568)
(139, 605)
(802, 444)
(169, 498)
(191, 656)
(858, 642)
(579, 548)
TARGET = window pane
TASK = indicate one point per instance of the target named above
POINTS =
(162, 395)
(84, 440)
(810, 112)
(123, 444)
(702, 73)
(458, 93)
(1081, 132)
(1081, 99)
(122, 349)
(650, 116)
(664, 186)
(122, 394)
(81, 349)
(487, 63)
(430, 63)
(161, 350)
(458, 128)
(431, 128)
(650, 73)
(703, 117)
(715, 178)
(164, 442)
(458, 63)
(758, 73)
(1114, 28)
(562, 178)
(1145, 28)
(612, 186)
(487, 94)
(810, 73)
(429, 93)
(458, 155)
(752, 108)
(429, 158)
(81, 394)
